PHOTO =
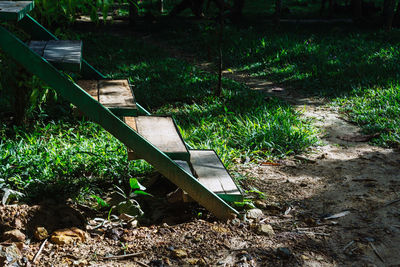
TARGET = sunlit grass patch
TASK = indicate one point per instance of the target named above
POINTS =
(63, 155)
(377, 110)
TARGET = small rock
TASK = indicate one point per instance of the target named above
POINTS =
(266, 229)
(18, 224)
(284, 252)
(220, 229)
(192, 261)
(68, 236)
(179, 253)
(14, 235)
(133, 224)
(80, 263)
(41, 233)
(10, 255)
(304, 257)
(163, 231)
(254, 214)
(21, 245)
(114, 233)
(235, 222)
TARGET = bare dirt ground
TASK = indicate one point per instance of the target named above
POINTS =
(338, 205)
(346, 176)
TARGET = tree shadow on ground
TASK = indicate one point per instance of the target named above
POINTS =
(363, 181)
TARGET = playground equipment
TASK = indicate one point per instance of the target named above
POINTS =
(111, 104)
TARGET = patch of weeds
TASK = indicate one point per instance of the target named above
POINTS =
(376, 110)
(242, 124)
(238, 125)
(335, 60)
(59, 158)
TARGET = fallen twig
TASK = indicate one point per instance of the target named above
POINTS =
(348, 245)
(288, 210)
(39, 251)
(392, 202)
(312, 233)
(122, 256)
(364, 180)
(376, 252)
(142, 264)
(337, 215)
(270, 163)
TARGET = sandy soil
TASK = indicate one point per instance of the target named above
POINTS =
(344, 174)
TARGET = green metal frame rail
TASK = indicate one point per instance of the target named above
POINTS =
(70, 91)
(38, 32)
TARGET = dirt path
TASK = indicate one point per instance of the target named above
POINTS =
(343, 174)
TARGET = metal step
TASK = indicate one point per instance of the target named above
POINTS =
(14, 10)
(212, 174)
(63, 54)
(116, 95)
(162, 132)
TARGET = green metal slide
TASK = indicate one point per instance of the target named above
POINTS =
(39, 66)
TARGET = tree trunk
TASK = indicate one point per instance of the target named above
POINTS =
(388, 13)
(331, 7)
(278, 11)
(396, 19)
(21, 95)
(218, 90)
(237, 9)
(197, 8)
(321, 10)
(161, 6)
(357, 9)
(133, 11)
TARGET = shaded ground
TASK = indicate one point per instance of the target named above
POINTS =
(300, 194)
(344, 176)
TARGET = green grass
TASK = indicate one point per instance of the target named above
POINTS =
(62, 157)
(356, 67)
(69, 157)
(334, 61)
(239, 124)
(377, 110)
(361, 66)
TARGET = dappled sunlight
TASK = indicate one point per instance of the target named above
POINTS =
(361, 181)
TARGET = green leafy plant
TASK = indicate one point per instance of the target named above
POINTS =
(129, 205)
(246, 204)
(63, 12)
(8, 194)
(100, 202)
